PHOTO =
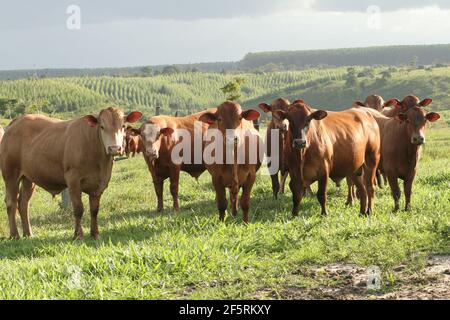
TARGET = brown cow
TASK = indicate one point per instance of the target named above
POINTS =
(279, 128)
(394, 106)
(239, 137)
(159, 137)
(401, 148)
(375, 102)
(133, 142)
(332, 145)
(2, 132)
(55, 154)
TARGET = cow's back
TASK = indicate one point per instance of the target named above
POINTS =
(344, 138)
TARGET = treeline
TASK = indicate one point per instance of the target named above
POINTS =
(267, 62)
(386, 56)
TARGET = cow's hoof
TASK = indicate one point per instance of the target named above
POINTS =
(78, 237)
(95, 236)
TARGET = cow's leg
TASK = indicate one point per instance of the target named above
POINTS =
(395, 189)
(322, 194)
(246, 193)
(350, 191)
(372, 159)
(379, 180)
(26, 191)
(221, 198)
(407, 186)
(360, 192)
(94, 206)
(275, 185)
(12, 191)
(158, 183)
(283, 182)
(77, 205)
(234, 198)
(174, 183)
(294, 185)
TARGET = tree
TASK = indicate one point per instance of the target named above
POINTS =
(414, 62)
(233, 89)
(170, 70)
(37, 106)
(147, 71)
(7, 106)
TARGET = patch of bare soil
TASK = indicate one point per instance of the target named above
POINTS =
(349, 282)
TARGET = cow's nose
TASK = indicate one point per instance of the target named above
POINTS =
(152, 154)
(299, 144)
(418, 140)
(114, 150)
(283, 127)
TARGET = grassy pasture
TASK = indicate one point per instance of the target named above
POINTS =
(145, 255)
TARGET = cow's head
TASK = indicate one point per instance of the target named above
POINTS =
(151, 134)
(301, 117)
(279, 104)
(407, 103)
(415, 120)
(111, 125)
(229, 116)
(375, 102)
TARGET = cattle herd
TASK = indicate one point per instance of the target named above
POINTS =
(363, 144)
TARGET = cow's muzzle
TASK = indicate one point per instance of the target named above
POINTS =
(299, 144)
(152, 154)
(115, 150)
(418, 140)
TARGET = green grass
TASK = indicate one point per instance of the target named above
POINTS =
(145, 255)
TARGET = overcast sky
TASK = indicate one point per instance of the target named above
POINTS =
(34, 34)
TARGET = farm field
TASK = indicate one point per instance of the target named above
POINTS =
(145, 255)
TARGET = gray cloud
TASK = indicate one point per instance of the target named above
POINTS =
(23, 13)
(26, 14)
(385, 5)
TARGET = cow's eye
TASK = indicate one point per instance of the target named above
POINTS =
(102, 127)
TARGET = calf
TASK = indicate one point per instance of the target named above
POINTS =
(277, 127)
(133, 143)
(334, 145)
(55, 154)
(401, 148)
(238, 137)
(159, 137)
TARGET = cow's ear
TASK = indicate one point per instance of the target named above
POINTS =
(426, 102)
(433, 116)
(318, 115)
(391, 103)
(358, 104)
(91, 120)
(208, 118)
(281, 114)
(166, 131)
(265, 107)
(401, 117)
(133, 117)
(250, 115)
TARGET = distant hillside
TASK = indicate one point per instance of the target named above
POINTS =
(387, 56)
(267, 62)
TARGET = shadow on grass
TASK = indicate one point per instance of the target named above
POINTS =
(127, 227)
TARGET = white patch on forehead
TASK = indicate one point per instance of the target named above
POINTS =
(151, 132)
